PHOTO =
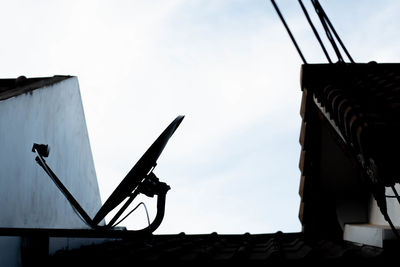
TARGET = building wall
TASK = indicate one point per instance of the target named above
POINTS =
(51, 115)
(393, 209)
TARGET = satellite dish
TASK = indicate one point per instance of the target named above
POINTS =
(140, 179)
(141, 169)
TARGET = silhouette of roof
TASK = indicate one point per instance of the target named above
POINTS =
(216, 249)
(359, 105)
(21, 85)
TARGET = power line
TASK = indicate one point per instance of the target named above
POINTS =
(320, 13)
(326, 23)
(330, 32)
(315, 31)
(288, 30)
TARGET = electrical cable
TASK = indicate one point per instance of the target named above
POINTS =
(320, 13)
(330, 32)
(334, 31)
(145, 208)
(378, 191)
(315, 31)
(381, 202)
(328, 26)
(396, 195)
(288, 31)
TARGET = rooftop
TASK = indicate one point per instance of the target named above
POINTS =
(349, 139)
(217, 249)
(21, 85)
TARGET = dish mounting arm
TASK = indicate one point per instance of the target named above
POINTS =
(149, 186)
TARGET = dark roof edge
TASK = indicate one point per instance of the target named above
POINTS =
(313, 75)
(30, 85)
(121, 233)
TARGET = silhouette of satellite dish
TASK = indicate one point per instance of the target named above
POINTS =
(141, 169)
(140, 179)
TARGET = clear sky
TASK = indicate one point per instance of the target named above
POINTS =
(229, 66)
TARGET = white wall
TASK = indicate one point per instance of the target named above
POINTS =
(393, 209)
(51, 115)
